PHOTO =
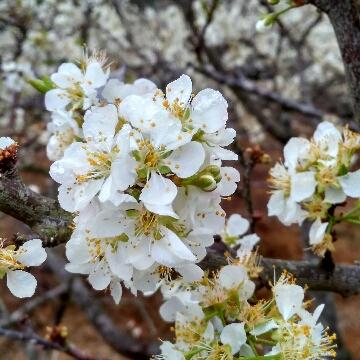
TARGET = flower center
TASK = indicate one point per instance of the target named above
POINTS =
(147, 223)
(165, 273)
(280, 179)
(101, 166)
(8, 260)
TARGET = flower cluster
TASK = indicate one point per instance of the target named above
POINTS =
(143, 171)
(314, 178)
(219, 318)
(13, 262)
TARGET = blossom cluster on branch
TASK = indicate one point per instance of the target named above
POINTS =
(142, 172)
(315, 178)
(217, 318)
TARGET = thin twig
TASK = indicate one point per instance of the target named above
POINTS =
(47, 344)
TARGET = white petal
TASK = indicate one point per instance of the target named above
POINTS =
(170, 250)
(32, 253)
(190, 272)
(179, 89)
(117, 90)
(237, 225)
(334, 195)
(139, 111)
(6, 142)
(169, 352)
(327, 136)
(99, 124)
(112, 90)
(229, 179)
(100, 277)
(165, 210)
(303, 185)
(117, 265)
(234, 335)
(223, 137)
(116, 291)
(158, 190)
(209, 110)
(56, 99)
(247, 244)
(95, 75)
(84, 269)
(67, 75)
(351, 184)
(276, 204)
(222, 154)
(169, 309)
(264, 328)
(77, 249)
(231, 276)
(110, 223)
(186, 160)
(21, 283)
(317, 232)
(293, 213)
(289, 299)
(144, 87)
(76, 197)
(294, 150)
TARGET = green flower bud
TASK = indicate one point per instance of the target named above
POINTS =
(42, 85)
(206, 183)
(213, 170)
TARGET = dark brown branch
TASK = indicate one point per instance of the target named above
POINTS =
(32, 304)
(344, 280)
(47, 344)
(45, 217)
(42, 214)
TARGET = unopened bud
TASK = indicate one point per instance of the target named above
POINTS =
(206, 183)
(213, 170)
(265, 159)
(42, 85)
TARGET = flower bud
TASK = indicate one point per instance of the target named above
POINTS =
(206, 183)
(213, 170)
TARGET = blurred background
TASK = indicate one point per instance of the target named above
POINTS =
(279, 83)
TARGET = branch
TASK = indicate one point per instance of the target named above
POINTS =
(45, 217)
(117, 338)
(47, 344)
(344, 280)
(24, 310)
(240, 82)
(42, 214)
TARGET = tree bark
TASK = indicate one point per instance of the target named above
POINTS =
(344, 16)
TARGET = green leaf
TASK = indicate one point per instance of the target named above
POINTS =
(42, 85)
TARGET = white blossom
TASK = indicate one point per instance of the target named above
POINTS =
(13, 262)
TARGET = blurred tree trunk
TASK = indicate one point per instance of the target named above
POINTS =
(345, 19)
